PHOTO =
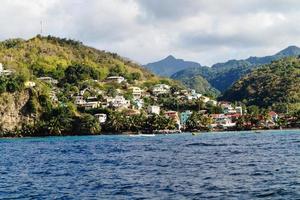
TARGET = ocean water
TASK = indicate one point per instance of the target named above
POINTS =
(239, 165)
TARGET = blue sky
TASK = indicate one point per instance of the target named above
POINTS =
(148, 30)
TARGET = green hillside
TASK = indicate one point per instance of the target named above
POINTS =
(222, 75)
(201, 85)
(51, 56)
(43, 77)
(276, 84)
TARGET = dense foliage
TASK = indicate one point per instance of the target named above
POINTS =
(274, 85)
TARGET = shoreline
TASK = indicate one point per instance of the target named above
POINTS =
(257, 131)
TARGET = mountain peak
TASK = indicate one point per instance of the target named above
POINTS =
(170, 65)
(170, 57)
(290, 51)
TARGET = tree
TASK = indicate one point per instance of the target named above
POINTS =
(58, 121)
(115, 122)
(198, 121)
(87, 124)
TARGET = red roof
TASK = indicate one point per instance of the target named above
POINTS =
(236, 115)
(272, 113)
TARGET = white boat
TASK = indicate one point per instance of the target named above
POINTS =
(147, 135)
(142, 135)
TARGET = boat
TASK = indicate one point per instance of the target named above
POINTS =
(147, 135)
(142, 135)
(195, 133)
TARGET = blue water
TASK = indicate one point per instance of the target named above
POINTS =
(211, 165)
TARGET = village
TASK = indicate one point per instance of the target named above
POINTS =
(134, 100)
(227, 120)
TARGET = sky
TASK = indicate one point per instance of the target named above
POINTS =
(206, 31)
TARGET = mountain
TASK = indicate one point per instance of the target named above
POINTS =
(170, 65)
(276, 84)
(222, 75)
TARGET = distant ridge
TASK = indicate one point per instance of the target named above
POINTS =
(170, 65)
(222, 75)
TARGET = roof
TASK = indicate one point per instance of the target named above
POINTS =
(272, 113)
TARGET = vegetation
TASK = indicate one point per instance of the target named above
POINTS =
(50, 106)
(222, 75)
(49, 75)
(275, 85)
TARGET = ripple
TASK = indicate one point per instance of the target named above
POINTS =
(211, 166)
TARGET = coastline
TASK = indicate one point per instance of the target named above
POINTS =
(127, 133)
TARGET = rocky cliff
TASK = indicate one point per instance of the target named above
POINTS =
(12, 115)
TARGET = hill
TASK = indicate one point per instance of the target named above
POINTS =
(274, 85)
(49, 56)
(170, 65)
(44, 81)
(201, 85)
(222, 75)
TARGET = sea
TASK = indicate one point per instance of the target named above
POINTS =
(224, 165)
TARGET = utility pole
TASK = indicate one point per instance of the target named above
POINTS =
(41, 23)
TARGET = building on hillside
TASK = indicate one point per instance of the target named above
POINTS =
(29, 84)
(161, 89)
(174, 115)
(91, 98)
(136, 92)
(184, 116)
(228, 109)
(5, 72)
(139, 103)
(115, 79)
(48, 79)
(101, 117)
(119, 102)
(239, 110)
(154, 110)
(222, 121)
(91, 105)
(79, 100)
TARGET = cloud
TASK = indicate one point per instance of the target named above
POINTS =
(146, 30)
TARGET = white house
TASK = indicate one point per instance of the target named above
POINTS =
(101, 117)
(161, 89)
(239, 110)
(115, 79)
(29, 84)
(92, 105)
(79, 100)
(222, 121)
(154, 110)
(4, 72)
(136, 92)
(48, 79)
(119, 102)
